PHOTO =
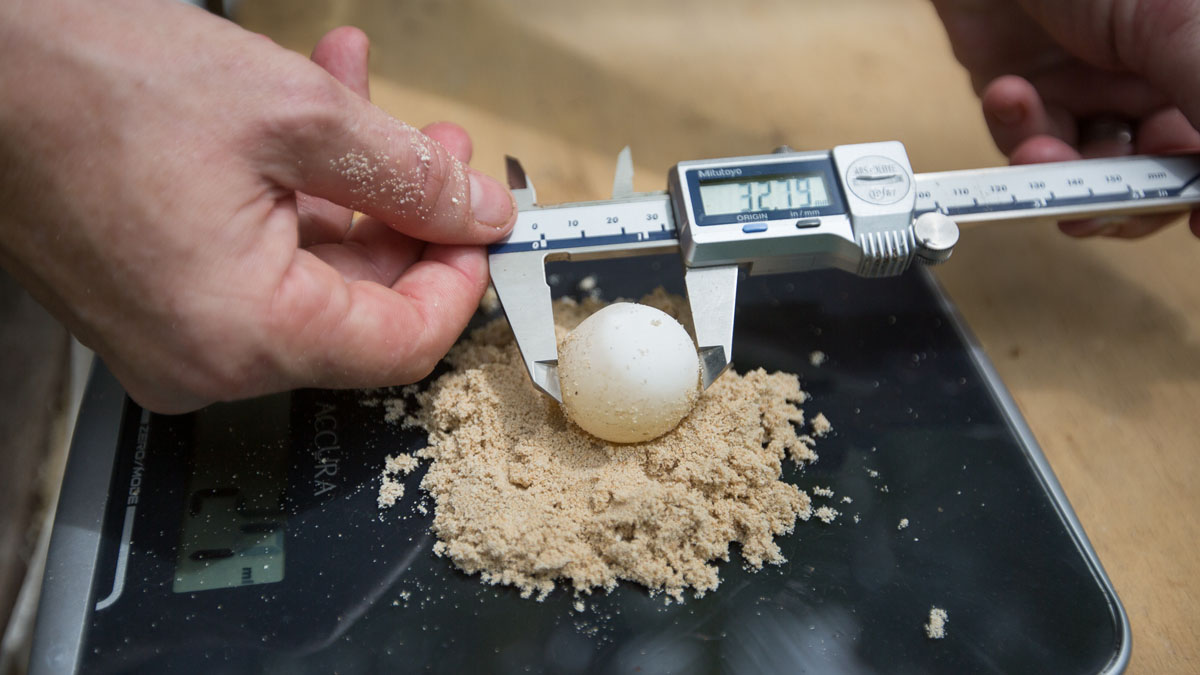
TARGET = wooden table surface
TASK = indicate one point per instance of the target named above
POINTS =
(1099, 341)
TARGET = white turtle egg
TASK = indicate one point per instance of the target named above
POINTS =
(629, 373)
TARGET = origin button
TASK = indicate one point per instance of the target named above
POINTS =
(752, 228)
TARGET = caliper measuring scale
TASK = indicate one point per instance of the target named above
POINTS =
(858, 208)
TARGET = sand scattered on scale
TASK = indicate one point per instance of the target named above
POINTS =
(936, 628)
(525, 498)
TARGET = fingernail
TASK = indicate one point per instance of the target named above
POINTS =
(1011, 114)
(1111, 226)
(491, 204)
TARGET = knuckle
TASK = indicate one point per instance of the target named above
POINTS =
(418, 368)
(238, 375)
(1151, 33)
(415, 358)
(309, 108)
(230, 361)
(432, 168)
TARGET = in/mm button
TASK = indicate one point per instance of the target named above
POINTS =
(752, 228)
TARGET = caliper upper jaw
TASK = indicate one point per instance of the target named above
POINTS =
(623, 175)
(519, 184)
(712, 296)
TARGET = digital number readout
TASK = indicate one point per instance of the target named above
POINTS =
(764, 193)
(233, 530)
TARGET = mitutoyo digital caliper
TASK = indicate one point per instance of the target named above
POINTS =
(857, 208)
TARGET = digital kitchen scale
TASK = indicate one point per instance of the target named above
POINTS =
(245, 538)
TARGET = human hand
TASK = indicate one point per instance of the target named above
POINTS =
(1066, 79)
(178, 192)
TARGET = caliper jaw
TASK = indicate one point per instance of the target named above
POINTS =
(712, 296)
(520, 283)
(519, 184)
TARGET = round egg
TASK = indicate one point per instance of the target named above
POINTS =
(629, 373)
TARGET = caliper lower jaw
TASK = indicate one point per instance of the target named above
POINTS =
(520, 282)
(712, 297)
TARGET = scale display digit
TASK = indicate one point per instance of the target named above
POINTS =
(234, 525)
(764, 193)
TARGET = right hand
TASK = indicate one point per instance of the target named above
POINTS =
(1051, 73)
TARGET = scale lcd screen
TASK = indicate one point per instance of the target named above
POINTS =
(233, 530)
(764, 193)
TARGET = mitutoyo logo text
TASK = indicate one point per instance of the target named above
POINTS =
(704, 174)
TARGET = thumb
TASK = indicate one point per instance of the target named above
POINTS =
(1170, 41)
(1158, 40)
(333, 144)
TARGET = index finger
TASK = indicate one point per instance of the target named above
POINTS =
(331, 143)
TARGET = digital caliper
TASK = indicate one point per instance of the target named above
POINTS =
(858, 208)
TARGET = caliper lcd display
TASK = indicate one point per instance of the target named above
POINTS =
(764, 193)
(759, 189)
